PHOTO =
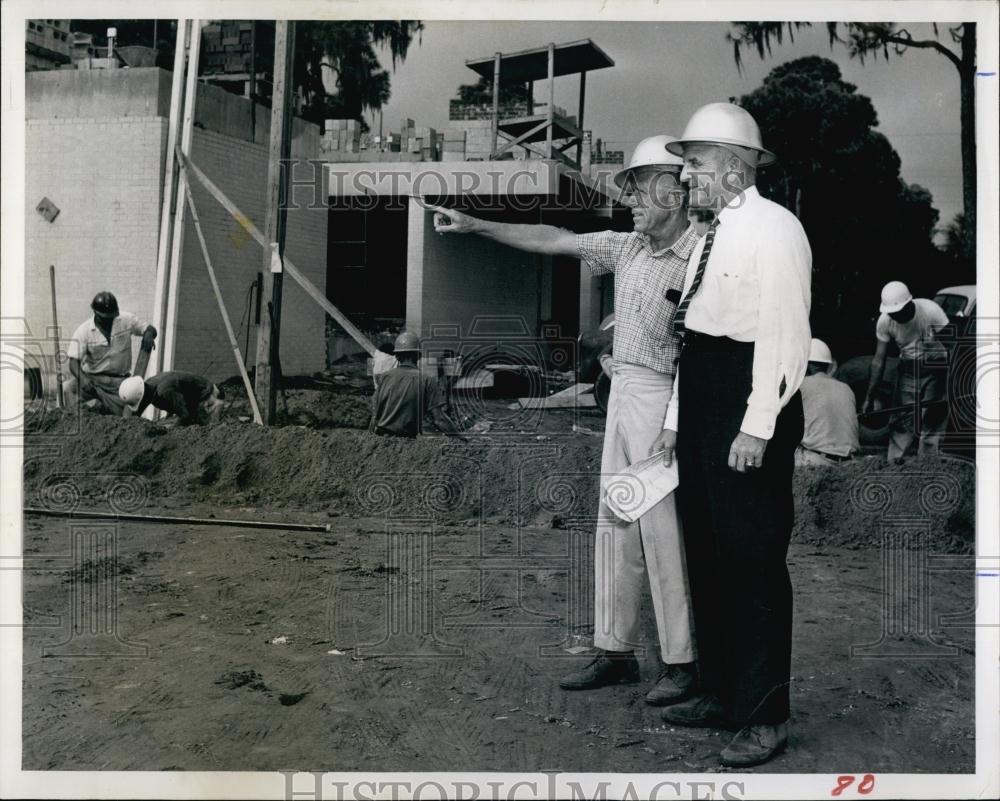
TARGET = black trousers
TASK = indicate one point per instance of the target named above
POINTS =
(736, 532)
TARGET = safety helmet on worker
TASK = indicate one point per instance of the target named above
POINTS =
(723, 124)
(895, 295)
(819, 351)
(131, 391)
(105, 304)
(650, 152)
(406, 343)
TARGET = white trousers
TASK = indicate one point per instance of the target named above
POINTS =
(624, 553)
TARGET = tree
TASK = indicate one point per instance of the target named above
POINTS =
(481, 93)
(349, 49)
(841, 177)
(878, 38)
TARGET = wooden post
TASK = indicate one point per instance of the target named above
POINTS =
(168, 336)
(552, 99)
(278, 169)
(55, 330)
(495, 117)
(167, 207)
(579, 118)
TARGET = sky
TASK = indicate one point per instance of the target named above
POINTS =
(664, 71)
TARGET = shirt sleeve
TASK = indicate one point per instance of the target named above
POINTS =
(601, 250)
(135, 325)
(77, 345)
(433, 399)
(882, 328)
(781, 347)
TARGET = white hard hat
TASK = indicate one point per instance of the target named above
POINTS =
(131, 391)
(820, 352)
(895, 295)
(650, 152)
(723, 124)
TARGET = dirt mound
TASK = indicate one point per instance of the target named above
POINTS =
(529, 479)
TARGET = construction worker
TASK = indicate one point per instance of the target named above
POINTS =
(744, 319)
(100, 353)
(648, 265)
(191, 397)
(921, 376)
(404, 396)
(828, 406)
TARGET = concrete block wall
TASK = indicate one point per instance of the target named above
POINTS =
(453, 280)
(105, 176)
(95, 146)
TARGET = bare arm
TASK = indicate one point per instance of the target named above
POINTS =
(876, 372)
(75, 371)
(546, 239)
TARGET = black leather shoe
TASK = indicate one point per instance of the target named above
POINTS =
(606, 668)
(675, 683)
(699, 710)
(754, 745)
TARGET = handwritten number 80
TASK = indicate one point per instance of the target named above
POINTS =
(865, 786)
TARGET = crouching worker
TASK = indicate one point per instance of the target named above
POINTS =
(830, 435)
(192, 398)
(100, 354)
(404, 396)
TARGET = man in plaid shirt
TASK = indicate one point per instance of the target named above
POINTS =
(649, 265)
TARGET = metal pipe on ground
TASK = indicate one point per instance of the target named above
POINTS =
(199, 521)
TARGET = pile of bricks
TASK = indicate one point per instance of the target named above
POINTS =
(608, 157)
(341, 135)
(457, 110)
(226, 46)
(453, 148)
(420, 142)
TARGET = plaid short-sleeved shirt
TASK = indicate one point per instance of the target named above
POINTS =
(647, 290)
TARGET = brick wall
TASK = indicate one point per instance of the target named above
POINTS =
(105, 175)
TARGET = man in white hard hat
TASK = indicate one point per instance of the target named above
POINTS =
(831, 418)
(921, 376)
(192, 398)
(649, 265)
(736, 419)
(100, 354)
(405, 397)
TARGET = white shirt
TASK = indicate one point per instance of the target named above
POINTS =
(915, 338)
(756, 288)
(831, 417)
(98, 355)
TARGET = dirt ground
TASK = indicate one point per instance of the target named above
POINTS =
(426, 629)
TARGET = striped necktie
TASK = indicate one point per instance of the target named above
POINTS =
(699, 274)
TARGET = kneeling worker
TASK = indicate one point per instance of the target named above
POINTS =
(191, 397)
(404, 396)
(831, 422)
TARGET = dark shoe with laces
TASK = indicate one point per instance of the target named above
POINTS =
(606, 668)
(675, 683)
(754, 745)
(698, 711)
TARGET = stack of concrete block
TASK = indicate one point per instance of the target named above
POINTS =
(342, 135)
(478, 138)
(427, 139)
(453, 147)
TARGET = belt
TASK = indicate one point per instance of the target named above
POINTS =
(700, 340)
(831, 456)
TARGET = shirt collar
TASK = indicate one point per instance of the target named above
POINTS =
(681, 247)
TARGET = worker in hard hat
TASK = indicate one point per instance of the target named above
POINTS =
(100, 353)
(405, 397)
(192, 398)
(921, 376)
(734, 422)
(648, 265)
(831, 419)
